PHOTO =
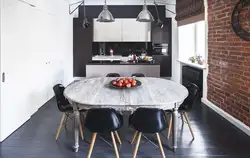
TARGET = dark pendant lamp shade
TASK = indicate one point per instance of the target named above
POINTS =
(105, 15)
(145, 15)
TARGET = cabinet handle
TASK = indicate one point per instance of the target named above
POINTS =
(3, 77)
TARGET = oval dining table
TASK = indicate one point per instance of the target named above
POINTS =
(153, 93)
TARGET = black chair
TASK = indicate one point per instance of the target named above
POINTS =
(138, 75)
(103, 120)
(113, 75)
(142, 123)
(65, 107)
(186, 106)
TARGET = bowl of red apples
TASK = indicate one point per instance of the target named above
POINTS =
(124, 83)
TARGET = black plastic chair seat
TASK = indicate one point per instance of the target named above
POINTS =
(148, 120)
(138, 75)
(69, 108)
(183, 108)
(62, 102)
(190, 100)
(103, 120)
(113, 75)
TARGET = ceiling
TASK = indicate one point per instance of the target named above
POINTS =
(124, 2)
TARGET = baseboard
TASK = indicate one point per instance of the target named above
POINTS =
(227, 116)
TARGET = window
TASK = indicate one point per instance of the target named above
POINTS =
(191, 40)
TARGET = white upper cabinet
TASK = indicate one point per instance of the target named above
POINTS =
(122, 30)
(107, 32)
(129, 30)
(133, 30)
(143, 30)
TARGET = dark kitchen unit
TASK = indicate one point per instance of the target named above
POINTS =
(121, 48)
(85, 46)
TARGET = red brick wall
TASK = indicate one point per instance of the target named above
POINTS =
(229, 61)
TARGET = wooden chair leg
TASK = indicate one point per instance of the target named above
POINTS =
(187, 119)
(81, 130)
(92, 144)
(114, 143)
(160, 145)
(133, 138)
(137, 145)
(60, 126)
(170, 126)
(118, 137)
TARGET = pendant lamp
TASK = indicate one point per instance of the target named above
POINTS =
(145, 15)
(105, 15)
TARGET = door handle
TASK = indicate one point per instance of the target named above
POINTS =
(3, 77)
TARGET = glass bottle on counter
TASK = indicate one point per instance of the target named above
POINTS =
(111, 52)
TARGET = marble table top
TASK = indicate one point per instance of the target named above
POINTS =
(153, 93)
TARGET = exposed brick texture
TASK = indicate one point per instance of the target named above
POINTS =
(229, 61)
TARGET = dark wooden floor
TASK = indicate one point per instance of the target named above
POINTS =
(215, 137)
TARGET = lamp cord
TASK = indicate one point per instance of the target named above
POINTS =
(158, 17)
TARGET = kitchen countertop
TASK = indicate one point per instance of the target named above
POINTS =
(108, 58)
(121, 63)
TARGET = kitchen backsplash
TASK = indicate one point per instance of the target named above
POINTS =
(121, 48)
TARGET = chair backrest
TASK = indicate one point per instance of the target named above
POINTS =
(113, 75)
(138, 75)
(193, 90)
(149, 120)
(60, 99)
(102, 120)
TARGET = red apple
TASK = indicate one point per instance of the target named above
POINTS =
(119, 84)
(121, 80)
(128, 85)
(124, 84)
(126, 81)
(114, 82)
(133, 84)
(130, 80)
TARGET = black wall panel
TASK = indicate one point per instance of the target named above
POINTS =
(83, 38)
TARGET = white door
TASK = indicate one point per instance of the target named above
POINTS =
(15, 68)
(1, 8)
(108, 32)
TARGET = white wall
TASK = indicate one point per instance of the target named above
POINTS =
(176, 66)
(36, 53)
(205, 72)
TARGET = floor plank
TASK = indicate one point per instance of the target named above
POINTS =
(215, 137)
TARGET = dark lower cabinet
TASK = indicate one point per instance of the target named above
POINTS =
(165, 63)
(192, 75)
